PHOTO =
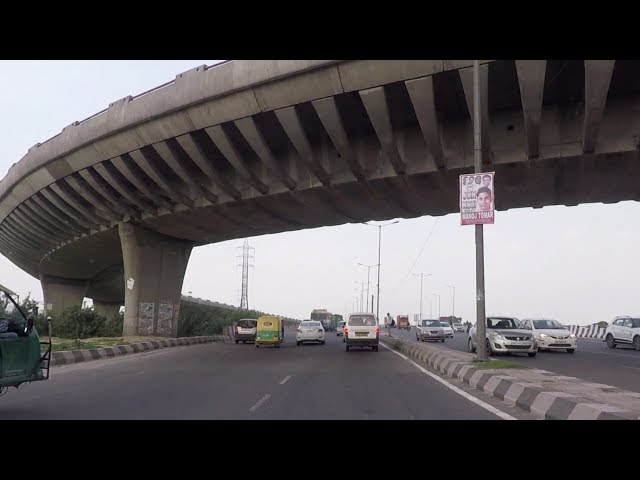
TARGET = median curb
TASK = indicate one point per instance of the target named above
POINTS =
(84, 355)
(528, 388)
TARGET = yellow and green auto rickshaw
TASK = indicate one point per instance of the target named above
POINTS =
(22, 356)
(269, 331)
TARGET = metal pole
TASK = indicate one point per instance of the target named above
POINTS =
(372, 304)
(421, 276)
(453, 304)
(368, 270)
(378, 299)
(480, 303)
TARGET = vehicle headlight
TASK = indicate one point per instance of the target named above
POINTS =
(497, 336)
(573, 335)
(543, 336)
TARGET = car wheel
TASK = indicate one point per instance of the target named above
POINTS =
(571, 350)
(488, 347)
(636, 343)
(257, 345)
(472, 349)
(346, 348)
(375, 349)
(532, 354)
(298, 343)
(442, 340)
(611, 343)
(237, 341)
(322, 342)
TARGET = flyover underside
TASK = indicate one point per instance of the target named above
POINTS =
(569, 181)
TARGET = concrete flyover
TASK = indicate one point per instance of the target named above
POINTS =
(112, 206)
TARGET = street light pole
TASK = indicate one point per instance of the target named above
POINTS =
(368, 270)
(453, 305)
(477, 140)
(379, 242)
(421, 275)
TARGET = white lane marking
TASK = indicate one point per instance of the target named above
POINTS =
(628, 366)
(260, 402)
(471, 398)
(285, 380)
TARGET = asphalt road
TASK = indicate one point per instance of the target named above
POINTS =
(592, 361)
(229, 381)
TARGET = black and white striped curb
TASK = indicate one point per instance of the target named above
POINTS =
(84, 355)
(533, 396)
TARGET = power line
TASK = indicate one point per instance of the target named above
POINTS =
(419, 254)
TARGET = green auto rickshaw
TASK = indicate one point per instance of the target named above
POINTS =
(269, 331)
(23, 357)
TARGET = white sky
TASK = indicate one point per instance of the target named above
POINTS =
(575, 264)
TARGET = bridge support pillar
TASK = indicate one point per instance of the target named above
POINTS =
(61, 293)
(108, 309)
(154, 267)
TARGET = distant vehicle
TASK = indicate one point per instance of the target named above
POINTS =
(458, 327)
(340, 328)
(448, 331)
(335, 320)
(310, 331)
(403, 322)
(623, 331)
(323, 316)
(269, 331)
(245, 330)
(430, 330)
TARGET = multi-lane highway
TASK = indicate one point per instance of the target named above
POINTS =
(593, 360)
(229, 381)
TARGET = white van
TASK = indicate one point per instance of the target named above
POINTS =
(361, 330)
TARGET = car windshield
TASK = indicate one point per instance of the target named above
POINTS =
(431, 323)
(636, 322)
(504, 323)
(548, 324)
(362, 320)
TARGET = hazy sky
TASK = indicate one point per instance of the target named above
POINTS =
(575, 264)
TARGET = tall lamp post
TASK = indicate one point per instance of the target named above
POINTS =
(379, 240)
(438, 295)
(421, 275)
(453, 304)
(368, 270)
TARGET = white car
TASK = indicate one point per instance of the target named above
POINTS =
(310, 331)
(458, 327)
(624, 331)
(340, 327)
(551, 335)
(448, 331)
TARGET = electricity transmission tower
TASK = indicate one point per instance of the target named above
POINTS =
(246, 256)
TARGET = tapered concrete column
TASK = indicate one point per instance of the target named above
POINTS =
(108, 309)
(154, 267)
(61, 293)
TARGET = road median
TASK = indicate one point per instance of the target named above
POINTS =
(545, 394)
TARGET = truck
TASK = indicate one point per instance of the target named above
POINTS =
(402, 322)
(335, 319)
(323, 316)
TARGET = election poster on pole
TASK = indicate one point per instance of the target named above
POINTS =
(477, 198)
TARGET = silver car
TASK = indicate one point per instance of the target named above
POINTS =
(430, 330)
(504, 334)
